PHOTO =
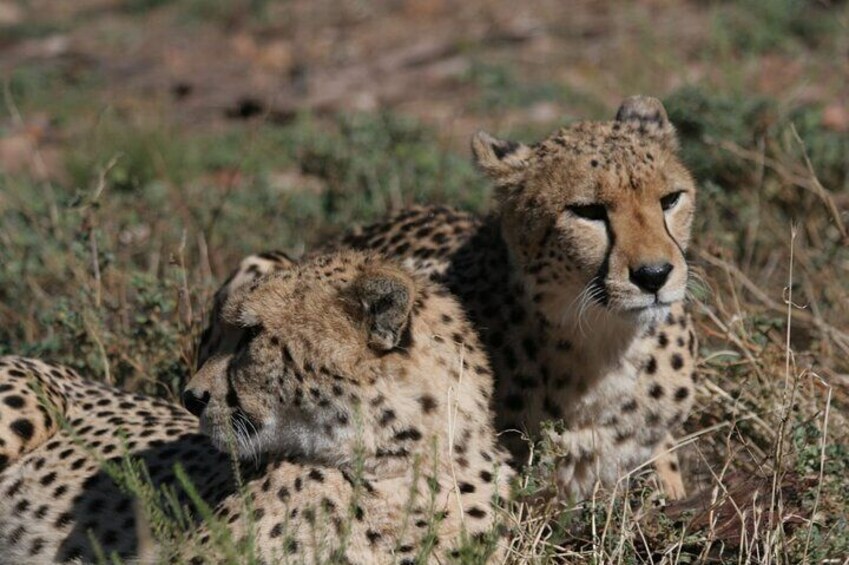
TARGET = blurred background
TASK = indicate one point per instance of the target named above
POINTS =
(147, 145)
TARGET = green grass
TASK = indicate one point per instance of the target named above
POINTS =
(135, 191)
(775, 25)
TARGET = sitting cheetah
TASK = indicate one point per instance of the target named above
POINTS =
(360, 389)
(576, 283)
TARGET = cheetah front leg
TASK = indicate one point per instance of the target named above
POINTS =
(668, 469)
(577, 467)
(577, 455)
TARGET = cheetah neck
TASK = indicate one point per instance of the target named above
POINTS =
(458, 485)
(444, 453)
(600, 341)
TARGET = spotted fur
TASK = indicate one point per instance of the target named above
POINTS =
(576, 283)
(355, 393)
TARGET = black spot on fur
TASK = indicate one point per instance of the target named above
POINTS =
(14, 401)
(428, 403)
(656, 391)
(23, 429)
(283, 494)
(622, 436)
(372, 536)
(651, 365)
(504, 148)
(467, 488)
(36, 547)
(64, 519)
(409, 434)
(387, 417)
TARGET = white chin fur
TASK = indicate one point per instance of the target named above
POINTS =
(292, 437)
(652, 315)
(245, 446)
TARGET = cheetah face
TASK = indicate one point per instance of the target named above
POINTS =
(598, 215)
(310, 341)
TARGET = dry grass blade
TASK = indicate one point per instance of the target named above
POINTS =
(807, 180)
(839, 337)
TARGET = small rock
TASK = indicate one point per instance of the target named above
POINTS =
(10, 14)
(835, 117)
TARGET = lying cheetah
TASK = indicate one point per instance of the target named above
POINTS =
(576, 283)
(361, 390)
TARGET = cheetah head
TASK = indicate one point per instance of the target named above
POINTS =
(597, 216)
(336, 358)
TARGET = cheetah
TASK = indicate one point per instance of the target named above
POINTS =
(354, 393)
(56, 429)
(576, 282)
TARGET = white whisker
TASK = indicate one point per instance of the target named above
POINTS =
(588, 297)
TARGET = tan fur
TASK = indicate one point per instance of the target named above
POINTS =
(41, 399)
(572, 337)
(57, 494)
(352, 451)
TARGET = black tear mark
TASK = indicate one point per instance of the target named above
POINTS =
(598, 281)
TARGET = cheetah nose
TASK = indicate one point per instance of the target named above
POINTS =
(194, 403)
(651, 277)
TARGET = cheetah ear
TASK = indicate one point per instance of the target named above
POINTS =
(227, 306)
(649, 116)
(384, 298)
(501, 160)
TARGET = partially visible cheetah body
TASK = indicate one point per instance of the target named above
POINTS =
(54, 492)
(575, 283)
(360, 388)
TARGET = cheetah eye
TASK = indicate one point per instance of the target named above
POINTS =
(593, 212)
(670, 200)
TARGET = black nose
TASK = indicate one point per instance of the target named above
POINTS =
(194, 403)
(651, 278)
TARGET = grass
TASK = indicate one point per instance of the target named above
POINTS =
(110, 266)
